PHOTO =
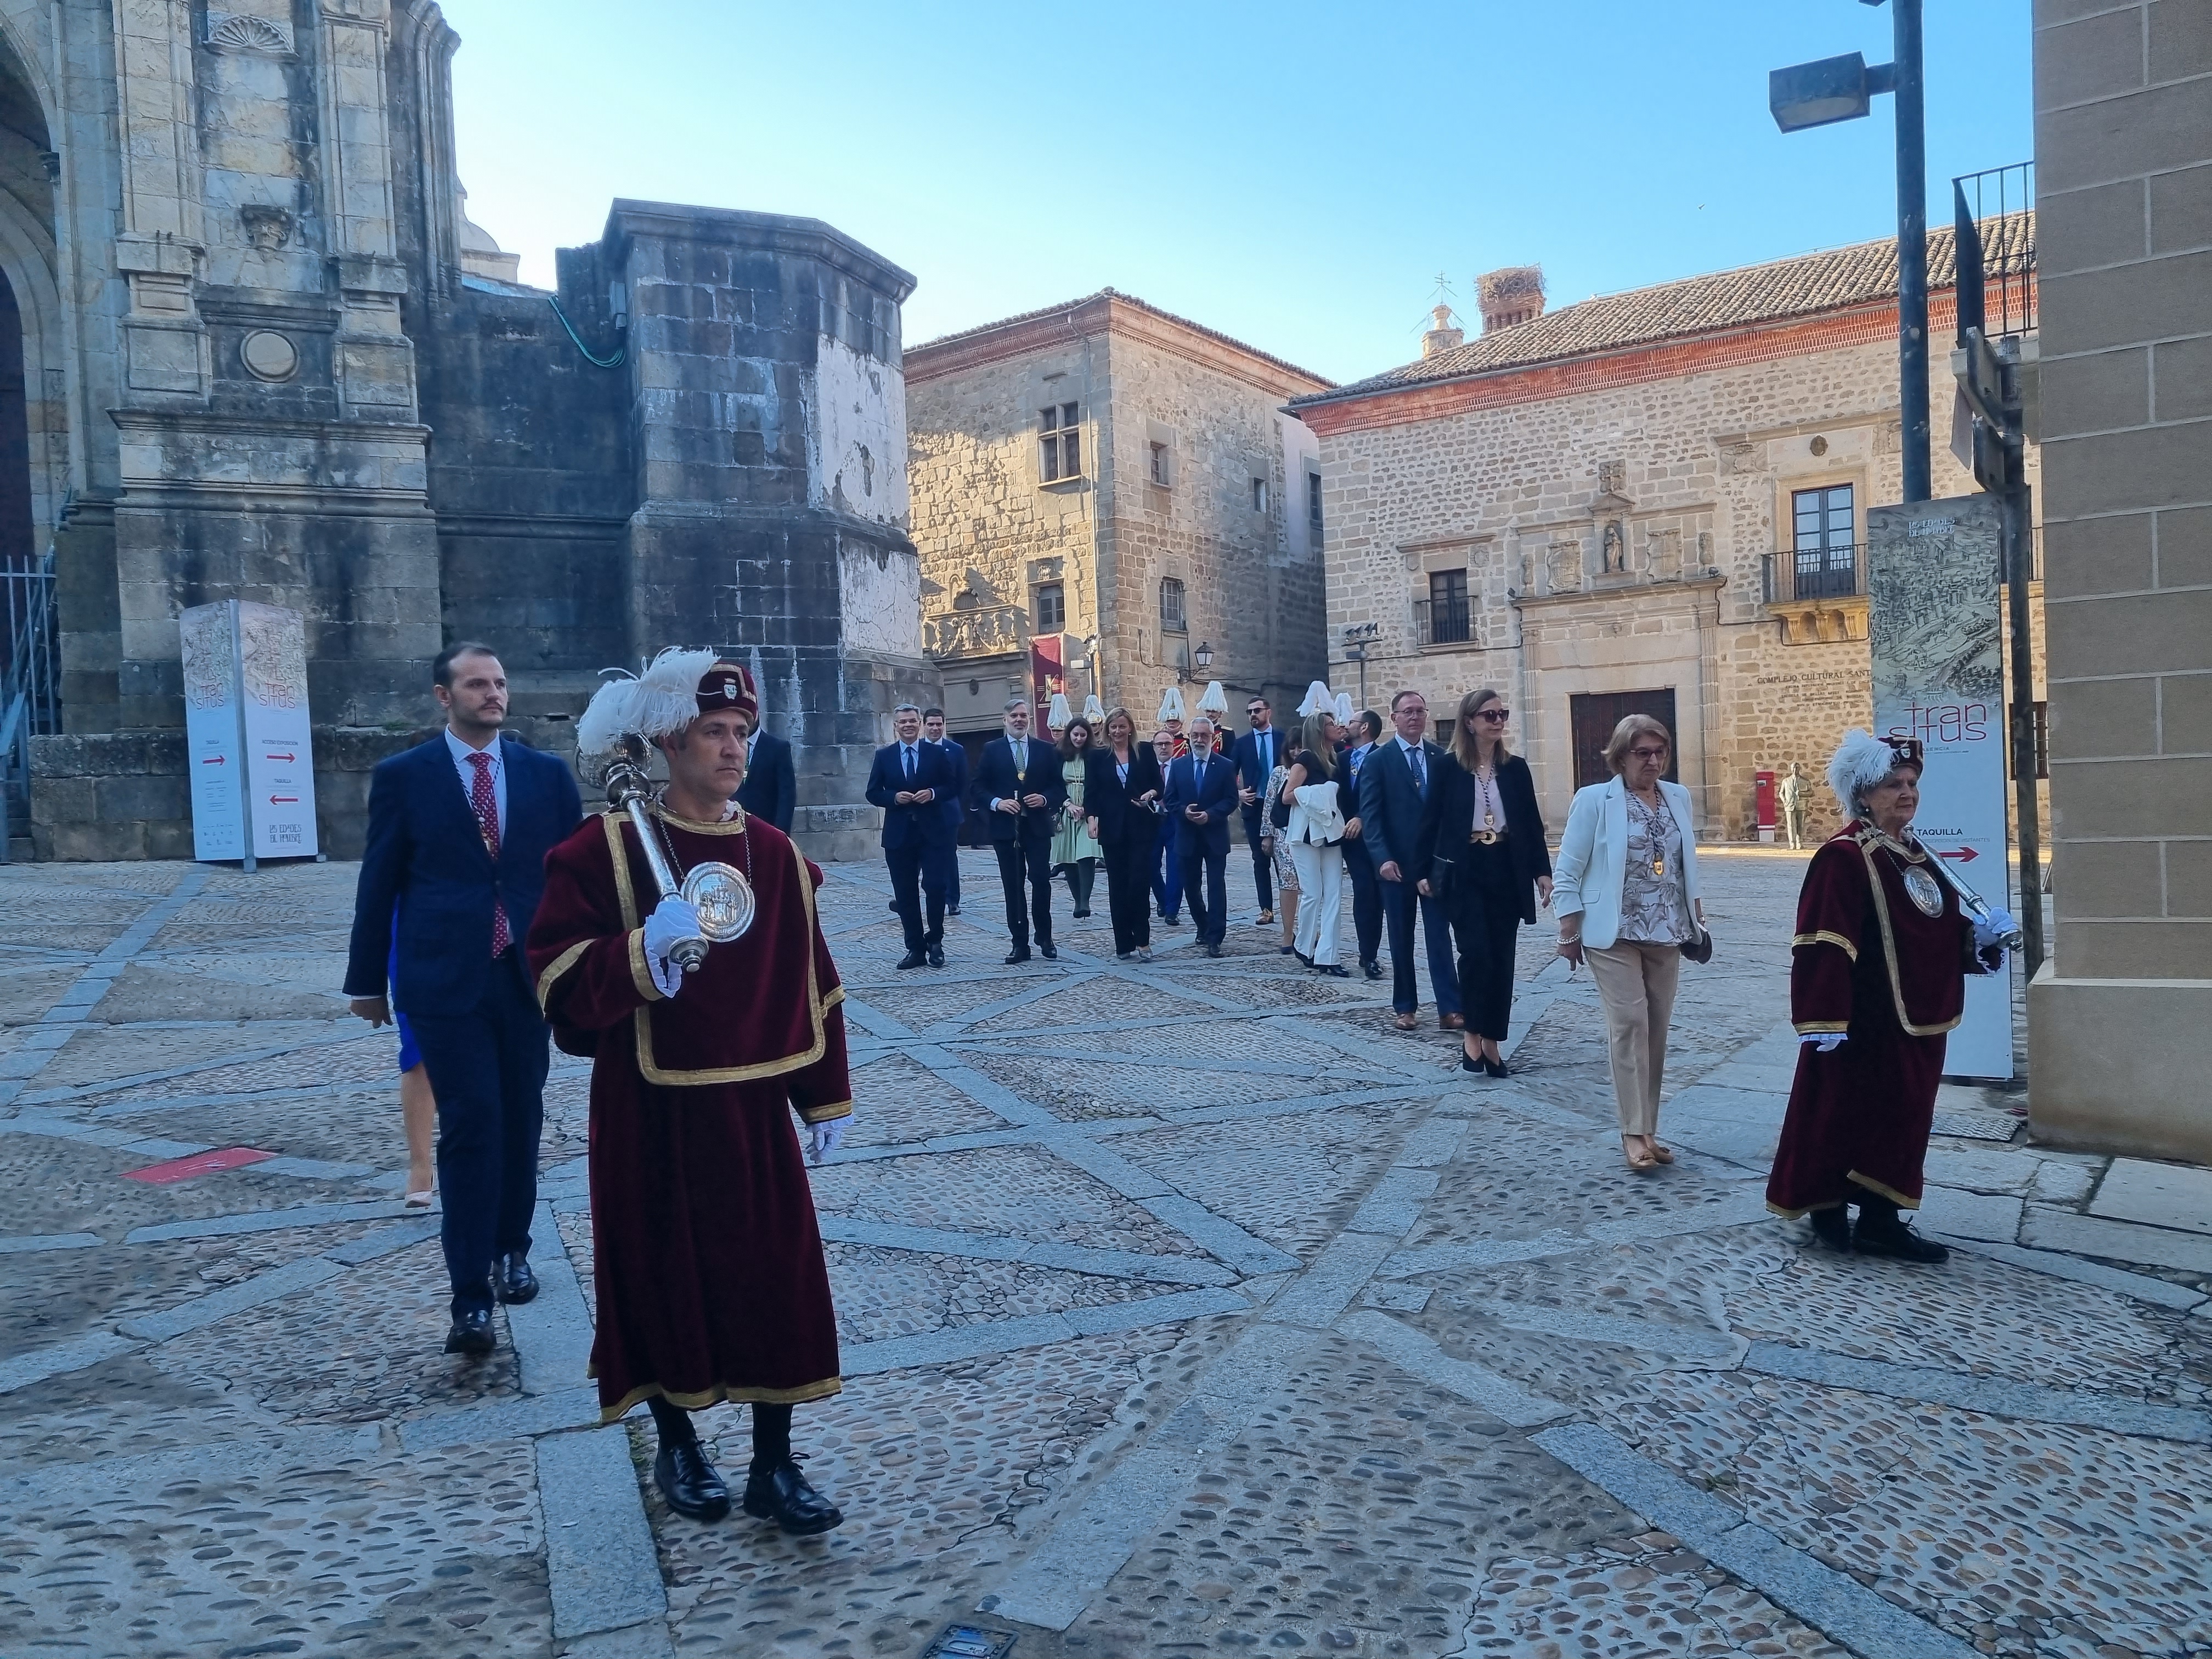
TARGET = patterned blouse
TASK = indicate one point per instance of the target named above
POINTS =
(1655, 909)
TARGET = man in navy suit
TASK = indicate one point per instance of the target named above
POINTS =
(955, 799)
(1017, 782)
(1358, 862)
(1394, 780)
(1201, 794)
(458, 829)
(909, 781)
(1257, 752)
(770, 790)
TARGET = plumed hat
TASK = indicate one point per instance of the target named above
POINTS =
(1214, 702)
(678, 687)
(1320, 700)
(1057, 716)
(1172, 705)
(1344, 708)
(1093, 710)
(1863, 760)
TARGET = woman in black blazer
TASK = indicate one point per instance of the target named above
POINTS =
(1122, 789)
(1482, 847)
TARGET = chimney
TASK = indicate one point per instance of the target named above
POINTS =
(1441, 335)
(1515, 294)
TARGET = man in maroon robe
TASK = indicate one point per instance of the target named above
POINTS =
(708, 1263)
(1877, 977)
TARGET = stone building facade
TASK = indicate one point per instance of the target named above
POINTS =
(1183, 519)
(2124, 154)
(1651, 501)
(268, 357)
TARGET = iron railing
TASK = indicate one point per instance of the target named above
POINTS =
(1993, 215)
(1443, 621)
(1813, 573)
(30, 677)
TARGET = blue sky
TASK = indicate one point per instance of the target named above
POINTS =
(1294, 175)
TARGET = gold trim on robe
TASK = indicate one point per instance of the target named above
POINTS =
(1868, 840)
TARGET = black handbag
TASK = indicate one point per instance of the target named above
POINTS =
(1279, 808)
(1699, 947)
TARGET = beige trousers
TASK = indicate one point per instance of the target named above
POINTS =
(1635, 983)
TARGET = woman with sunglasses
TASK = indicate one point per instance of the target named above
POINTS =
(1629, 902)
(1483, 838)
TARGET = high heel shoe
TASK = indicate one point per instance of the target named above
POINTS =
(1474, 1063)
(1495, 1067)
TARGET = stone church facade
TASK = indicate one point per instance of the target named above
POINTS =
(1648, 502)
(1101, 489)
(266, 356)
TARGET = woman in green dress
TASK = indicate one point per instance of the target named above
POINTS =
(1073, 848)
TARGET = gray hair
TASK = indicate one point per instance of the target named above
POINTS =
(1012, 703)
(914, 709)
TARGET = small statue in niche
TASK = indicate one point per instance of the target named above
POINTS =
(1613, 555)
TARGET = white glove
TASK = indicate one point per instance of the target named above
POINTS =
(1824, 1042)
(823, 1139)
(673, 922)
(1993, 928)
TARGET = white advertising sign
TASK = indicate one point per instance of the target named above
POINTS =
(246, 729)
(1933, 622)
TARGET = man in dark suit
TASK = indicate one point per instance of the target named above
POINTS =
(955, 800)
(908, 782)
(1393, 784)
(1201, 794)
(458, 829)
(770, 790)
(1017, 782)
(1359, 861)
(1257, 752)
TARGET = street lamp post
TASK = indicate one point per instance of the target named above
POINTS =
(1843, 90)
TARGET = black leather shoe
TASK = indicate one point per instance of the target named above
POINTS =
(1334, 970)
(1213, 950)
(936, 956)
(783, 1496)
(1372, 969)
(1049, 951)
(1019, 953)
(512, 1279)
(471, 1333)
(691, 1483)
(951, 909)
(1495, 1067)
(1832, 1227)
(913, 959)
(1888, 1233)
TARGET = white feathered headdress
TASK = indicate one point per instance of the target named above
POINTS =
(1320, 700)
(1214, 702)
(657, 703)
(1056, 715)
(1093, 710)
(1862, 761)
(1172, 705)
(1344, 708)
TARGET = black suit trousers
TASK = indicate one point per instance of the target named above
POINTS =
(1129, 863)
(487, 1067)
(918, 874)
(1485, 907)
(1026, 857)
(1263, 868)
(1205, 883)
(1366, 899)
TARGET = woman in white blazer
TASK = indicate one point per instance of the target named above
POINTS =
(1627, 898)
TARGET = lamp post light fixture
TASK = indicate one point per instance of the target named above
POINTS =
(1842, 89)
(1204, 657)
(1356, 638)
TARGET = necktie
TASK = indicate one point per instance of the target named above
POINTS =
(486, 805)
(1420, 768)
(907, 750)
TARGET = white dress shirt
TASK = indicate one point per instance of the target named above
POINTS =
(466, 768)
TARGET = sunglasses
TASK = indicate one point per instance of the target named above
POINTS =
(1495, 716)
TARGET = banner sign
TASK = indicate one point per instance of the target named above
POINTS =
(247, 732)
(1933, 622)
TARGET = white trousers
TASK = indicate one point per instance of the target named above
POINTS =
(1320, 900)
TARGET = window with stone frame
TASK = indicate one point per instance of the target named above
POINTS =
(1060, 443)
(1162, 473)
(1448, 618)
(1313, 509)
(1171, 611)
(1051, 608)
(1259, 494)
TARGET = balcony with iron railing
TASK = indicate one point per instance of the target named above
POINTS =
(1443, 621)
(1817, 594)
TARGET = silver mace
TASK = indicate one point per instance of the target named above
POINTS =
(629, 789)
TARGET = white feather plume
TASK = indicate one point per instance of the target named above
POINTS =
(1171, 707)
(1344, 708)
(1057, 716)
(1093, 710)
(1860, 762)
(664, 699)
(1214, 700)
(1319, 700)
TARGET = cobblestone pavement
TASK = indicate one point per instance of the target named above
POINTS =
(1187, 1308)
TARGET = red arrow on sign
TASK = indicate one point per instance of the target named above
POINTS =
(280, 800)
(280, 757)
(1964, 854)
(213, 760)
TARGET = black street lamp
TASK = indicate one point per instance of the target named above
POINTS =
(1843, 90)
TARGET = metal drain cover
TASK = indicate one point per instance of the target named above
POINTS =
(971, 1642)
(1969, 1124)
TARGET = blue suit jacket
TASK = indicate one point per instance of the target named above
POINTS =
(1390, 804)
(995, 779)
(426, 861)
(955, 798)
(912, 826)
(770, 790)
(1213, 793)
(1250, 775)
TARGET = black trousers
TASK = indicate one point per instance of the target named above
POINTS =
(918, 872)
(1204, 884)
(1485, 908)
(1366, 899)
(1128, 888)
(1026, 858)
(1263, 870)
(487, 1067)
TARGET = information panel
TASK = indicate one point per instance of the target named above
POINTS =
(247, 732)
(1933, 622)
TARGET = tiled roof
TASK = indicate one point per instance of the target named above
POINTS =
(966, 335)
(1835, 279)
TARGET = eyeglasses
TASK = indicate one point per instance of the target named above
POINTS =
(1648, 754)
(1495, 716)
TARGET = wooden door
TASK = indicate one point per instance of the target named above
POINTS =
(1595, 716)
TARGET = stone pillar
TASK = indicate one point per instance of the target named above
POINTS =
(769, 453)
(2124, 149)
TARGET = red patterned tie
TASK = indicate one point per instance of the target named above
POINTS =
(487, 810)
